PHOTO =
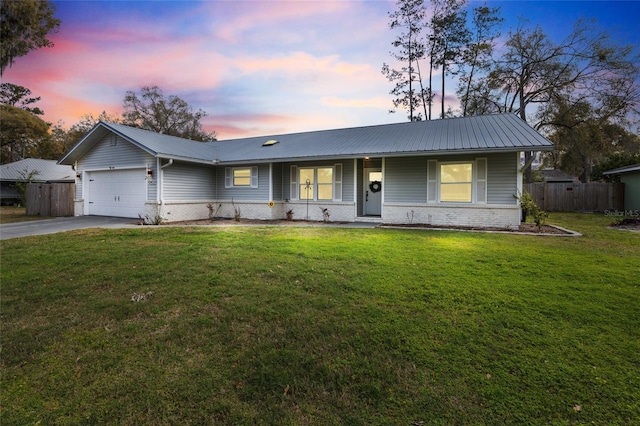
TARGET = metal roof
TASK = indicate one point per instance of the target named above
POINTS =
(625, 169)
(503, 132)
(156, 144)
(479, 134)
(48, 171)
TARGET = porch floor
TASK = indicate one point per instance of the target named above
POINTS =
(368, 219)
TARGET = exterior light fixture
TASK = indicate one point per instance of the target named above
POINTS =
(270, 142)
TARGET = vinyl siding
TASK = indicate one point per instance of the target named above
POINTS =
(347, 180)
(359, 185)
(183, 181)
(113, 152)
(261, 193)
(405, 178)
(276, 177)
(502, 173)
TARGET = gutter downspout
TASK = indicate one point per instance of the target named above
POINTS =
(161, 182)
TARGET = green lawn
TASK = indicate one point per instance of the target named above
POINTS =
(11, 214)
(267, 325)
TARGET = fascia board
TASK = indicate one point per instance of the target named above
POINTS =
(480, 151)
(187, 159)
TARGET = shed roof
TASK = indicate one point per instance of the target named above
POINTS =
(625, 169)
(48, 171)
(554, 175)
(479, 134)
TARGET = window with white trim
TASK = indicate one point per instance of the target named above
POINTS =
(456, 182)
(239, 177)
(242, 177)
(322, 183)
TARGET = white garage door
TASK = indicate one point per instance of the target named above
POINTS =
(119, 193)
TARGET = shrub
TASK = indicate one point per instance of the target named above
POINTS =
(529, 206)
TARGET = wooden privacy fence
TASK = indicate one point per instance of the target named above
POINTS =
(50, 199)
(577, 197)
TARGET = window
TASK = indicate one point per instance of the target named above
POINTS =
(325, 183)
(456, 182)
(316, 183)
(241, 177)
(307, 184)
(375, 176)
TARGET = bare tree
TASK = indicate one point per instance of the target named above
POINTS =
(172, 116)
(449, 36)
(409, 50)
(476, 56)
(586, 67)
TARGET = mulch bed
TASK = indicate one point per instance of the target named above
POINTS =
(528, 228)
(544, 229)
(627, 224)
(524, 228)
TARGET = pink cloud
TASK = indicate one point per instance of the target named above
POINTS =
(233, 126)
(269, 16)
(92, 66)
(374, 102)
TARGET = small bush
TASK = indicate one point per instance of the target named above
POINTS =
(150, 220)
(529, 206)
(325, 214)
(213, 210)
(289, 215)
(237, 214)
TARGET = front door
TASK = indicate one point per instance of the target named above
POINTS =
(372, 192)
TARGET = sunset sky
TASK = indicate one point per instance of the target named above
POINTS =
(255, 67)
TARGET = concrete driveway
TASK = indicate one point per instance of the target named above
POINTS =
(62, 224)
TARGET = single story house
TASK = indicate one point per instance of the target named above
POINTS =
(556, 176)
(459, 171)
(630, 176)
(34, 170)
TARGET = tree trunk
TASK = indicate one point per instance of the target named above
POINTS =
(430, 82)
(465, 98)
(410, 86)
(528, 173)
(444, 67)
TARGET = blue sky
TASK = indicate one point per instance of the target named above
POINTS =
(256, 67)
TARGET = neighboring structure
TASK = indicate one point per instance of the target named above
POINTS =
(556, 176)
(630, 176)
(47, 171)
(461, 171)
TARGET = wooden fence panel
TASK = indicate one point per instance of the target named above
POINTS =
(577, 197)
(50, 199)
(38, 196)
(62, 199)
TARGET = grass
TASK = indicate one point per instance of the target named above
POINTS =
(11, 214)
(246, 325)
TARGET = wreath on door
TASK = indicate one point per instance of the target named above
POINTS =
(375, 186)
